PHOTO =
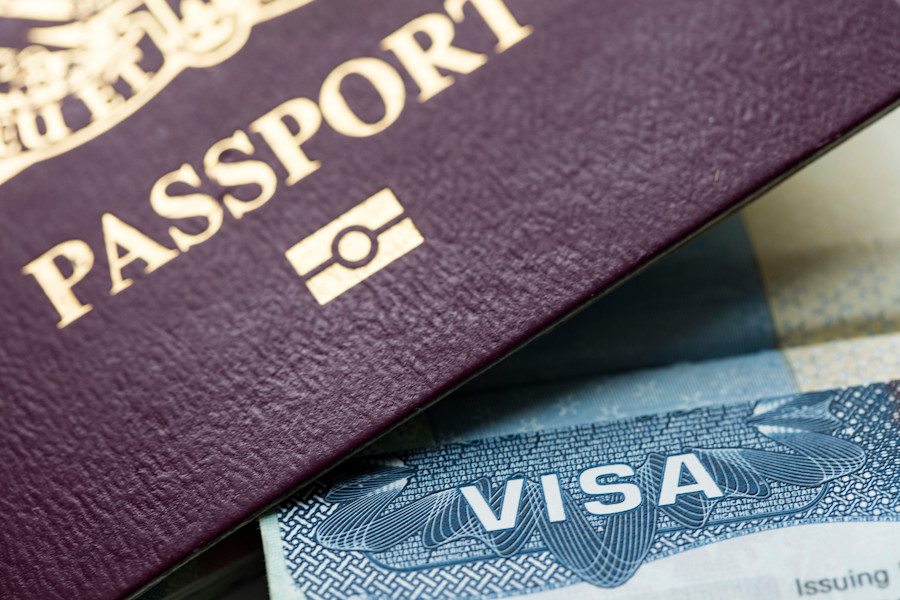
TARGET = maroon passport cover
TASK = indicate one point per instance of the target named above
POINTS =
(180, 347)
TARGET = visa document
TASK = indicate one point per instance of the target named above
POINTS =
(786, 497)
(725, 426)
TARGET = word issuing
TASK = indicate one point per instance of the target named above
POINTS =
(851, 581)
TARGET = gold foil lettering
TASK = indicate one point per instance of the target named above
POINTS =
(240, 173)
(9, 142)
(286, 144)
(57, 286)
(496, 14)
(118, 234)
(423, 64)
(386, 81)
(331, 261)
(51, 118)
(100, 98)
(128, 67)
(187, 206)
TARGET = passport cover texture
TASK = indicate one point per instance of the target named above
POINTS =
(250, 240)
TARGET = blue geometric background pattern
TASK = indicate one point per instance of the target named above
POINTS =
(398, 526)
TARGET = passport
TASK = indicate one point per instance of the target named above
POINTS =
(241, 239)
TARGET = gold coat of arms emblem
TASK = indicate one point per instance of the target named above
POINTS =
(86, 65)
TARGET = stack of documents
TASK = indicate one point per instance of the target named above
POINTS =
(724, 426)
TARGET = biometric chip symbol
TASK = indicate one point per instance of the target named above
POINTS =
(354, 246)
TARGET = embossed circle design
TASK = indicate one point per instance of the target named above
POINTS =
(354, 247)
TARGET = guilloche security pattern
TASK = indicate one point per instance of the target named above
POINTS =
(401, 522)
(169, 367)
